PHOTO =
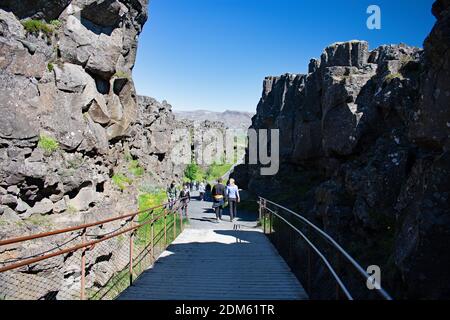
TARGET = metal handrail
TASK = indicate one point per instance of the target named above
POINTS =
(80, 227)
(88, 245)
(325, 260)
(333, 242)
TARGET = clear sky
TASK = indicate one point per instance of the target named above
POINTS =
(214, 54)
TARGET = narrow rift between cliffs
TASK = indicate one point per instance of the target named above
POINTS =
(364, 149)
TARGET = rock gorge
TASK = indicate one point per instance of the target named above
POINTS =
(71, 124)
(364, 144)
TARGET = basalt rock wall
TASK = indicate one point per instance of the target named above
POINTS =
(364, 144)
(76, 142)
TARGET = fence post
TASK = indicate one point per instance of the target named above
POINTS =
(174, 224)
(260, 208)
(270, 222)
(181, 218)
(263, 214)
(152, 249)
(131, 253)
(83, 268)
(165, 227)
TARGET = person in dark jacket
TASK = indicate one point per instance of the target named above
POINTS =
(218, 195)
(208, 191)
(185, 198)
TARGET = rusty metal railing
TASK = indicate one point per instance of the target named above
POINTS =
(168, 216)
(267, 216)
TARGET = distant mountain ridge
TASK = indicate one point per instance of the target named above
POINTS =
(231, 119)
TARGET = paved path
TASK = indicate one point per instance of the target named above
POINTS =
(218, 261)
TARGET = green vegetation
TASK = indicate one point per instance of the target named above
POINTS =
(34, 26)
(405, 60)
(146, 201)
(48, 144)
(142, 260)
(135, 169)
(56, 24)
(50, 67)
(193, 172)
(121, 75)
(39, 220)
(216, 171)
(393, 76)
(121, 181)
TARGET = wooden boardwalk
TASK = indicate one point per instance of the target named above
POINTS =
(218, 261)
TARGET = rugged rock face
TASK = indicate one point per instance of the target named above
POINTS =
(232, 119)
(71, 121)
(207, 141)
(365, 154)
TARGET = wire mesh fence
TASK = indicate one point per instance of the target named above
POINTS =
(96, 262)
(322, 268)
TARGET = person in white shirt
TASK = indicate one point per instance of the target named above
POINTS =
(202, 189)
(232, 193)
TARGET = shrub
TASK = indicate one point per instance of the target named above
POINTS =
(50, 67)
(56, 24)
(35, 26)
(135, 169)
(121, 181)
(48, 144)
(191, 172)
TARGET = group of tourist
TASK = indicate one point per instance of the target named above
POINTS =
(220, 195)
(173, 195)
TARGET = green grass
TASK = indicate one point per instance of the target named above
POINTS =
(34, 26)
(48, 144)
(146, 201)
(121, 181)
(142, 259)
(216, 171)
(121, 280)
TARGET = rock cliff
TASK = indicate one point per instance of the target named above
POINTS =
(364, 144)
(76, 142)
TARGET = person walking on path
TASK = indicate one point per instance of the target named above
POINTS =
(208, 191)
(185, 197)
(218, 194)
(232, 194)
(201, 190)
(172, 194)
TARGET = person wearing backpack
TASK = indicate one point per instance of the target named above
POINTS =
(218, 194)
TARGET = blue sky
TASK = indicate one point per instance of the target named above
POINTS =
(214, 54)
